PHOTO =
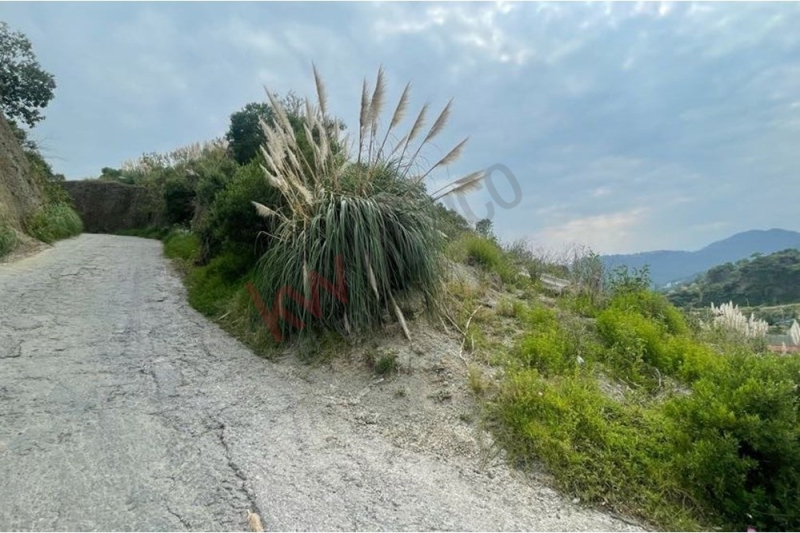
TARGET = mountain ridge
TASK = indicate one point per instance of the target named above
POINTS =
(668, 266)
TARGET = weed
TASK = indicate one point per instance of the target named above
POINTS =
(476, 380)
(8, 238)
(382, 362)
(54, 222)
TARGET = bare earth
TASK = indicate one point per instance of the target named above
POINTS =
(121, 408)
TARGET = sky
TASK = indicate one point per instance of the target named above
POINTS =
(622, 127)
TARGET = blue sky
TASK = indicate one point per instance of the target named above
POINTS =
(628, 127)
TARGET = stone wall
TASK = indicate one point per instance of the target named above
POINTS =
(109, 207)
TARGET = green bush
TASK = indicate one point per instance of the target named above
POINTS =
(179, 197)
(472, 249)
(53, 222)
(483, 252)
(233, 220)
(597, 449)
(211, 287)
(651, 305)
(737, 442)
(8, 238)
(723, 450)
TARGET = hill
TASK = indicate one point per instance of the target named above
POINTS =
(20, 192)
(766, 280)
(668, 266)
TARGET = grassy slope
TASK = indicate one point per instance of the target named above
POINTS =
(627, 406)
(633, 410)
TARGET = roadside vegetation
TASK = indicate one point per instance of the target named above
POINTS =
(25, 90)
(632, 406)
(688, 425)
(8, 237)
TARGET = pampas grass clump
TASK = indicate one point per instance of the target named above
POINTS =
(362, 206)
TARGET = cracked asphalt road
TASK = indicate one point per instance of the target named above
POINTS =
(121, 408)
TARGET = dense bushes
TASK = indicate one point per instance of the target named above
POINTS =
(720, 446)
(232, 221)
(53, 222)
(736, 442)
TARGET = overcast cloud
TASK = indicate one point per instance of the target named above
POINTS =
(629, 127)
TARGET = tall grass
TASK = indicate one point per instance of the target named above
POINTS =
(8, 238)
(53, 222)
(365, 206)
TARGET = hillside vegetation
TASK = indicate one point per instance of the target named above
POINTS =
(629, 405)
(767, 280)
(32, 200)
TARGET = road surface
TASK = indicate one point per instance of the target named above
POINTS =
(121, 408)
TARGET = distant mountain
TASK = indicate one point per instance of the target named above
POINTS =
(772, 279)
(671, 266)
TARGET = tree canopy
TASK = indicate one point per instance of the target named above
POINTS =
(25, 88)
(244, 134)
(760, 280)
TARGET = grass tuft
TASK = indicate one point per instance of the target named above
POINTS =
(54, 222)
(8, 238)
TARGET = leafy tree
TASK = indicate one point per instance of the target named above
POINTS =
(244, 134)
(25, 88)
(485, 228)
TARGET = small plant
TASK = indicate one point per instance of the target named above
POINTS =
(728, 318)
(53, 222)
(382, 362)
(476, 380)
(622, 280)
(8, 238)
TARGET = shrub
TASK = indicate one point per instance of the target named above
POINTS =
(370, 215)
(622, 280)
(737, 442)
(597, 449)
(483, 252)
(211, 287)
(179, 198)
(233, 220)
(651, 305)
(53, 222)
(473, 249)
(8, 238)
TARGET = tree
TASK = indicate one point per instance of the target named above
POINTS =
(25, 88)
(244, 134)
(485, 228)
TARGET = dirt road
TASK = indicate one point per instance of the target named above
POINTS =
(121, 408)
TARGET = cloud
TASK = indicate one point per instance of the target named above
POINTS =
(607, 233)
(648, 120)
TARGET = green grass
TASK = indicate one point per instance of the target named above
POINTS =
(54, 222)
(182, 244)
(472, 249)
(8, 238)
(699, 439)
(211, 287)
